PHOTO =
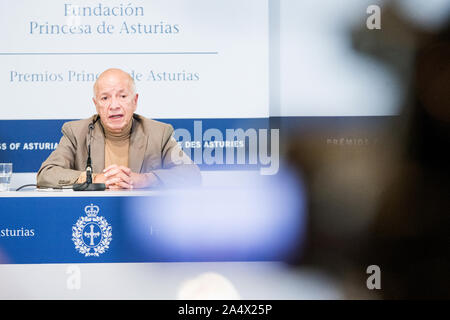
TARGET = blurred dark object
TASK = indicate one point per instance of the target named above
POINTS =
(386, 203)
(410, 238)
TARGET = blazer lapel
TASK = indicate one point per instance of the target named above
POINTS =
(136, 152)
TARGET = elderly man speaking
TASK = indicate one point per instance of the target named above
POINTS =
(128, 150)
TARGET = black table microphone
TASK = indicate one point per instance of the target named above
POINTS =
(88, 185)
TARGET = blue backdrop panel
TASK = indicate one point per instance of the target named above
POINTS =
(27, 143)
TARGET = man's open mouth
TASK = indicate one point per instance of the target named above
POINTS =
(116, 116)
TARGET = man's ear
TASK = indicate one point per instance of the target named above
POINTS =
(95, 103)
(135, 101)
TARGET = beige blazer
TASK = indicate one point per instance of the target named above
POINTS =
(152, 149)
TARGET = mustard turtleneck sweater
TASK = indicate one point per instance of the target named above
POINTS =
(116, 149)
(116, 146)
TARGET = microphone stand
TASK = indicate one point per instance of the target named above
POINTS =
(89, 185)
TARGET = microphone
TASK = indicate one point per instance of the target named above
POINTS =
(88, 185)
(88, 162)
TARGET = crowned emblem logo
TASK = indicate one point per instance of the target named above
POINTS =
(91, 234)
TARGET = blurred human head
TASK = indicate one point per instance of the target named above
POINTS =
(115, 99)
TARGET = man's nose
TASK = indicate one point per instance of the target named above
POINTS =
(114, 103)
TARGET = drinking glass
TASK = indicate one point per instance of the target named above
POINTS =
(5, 176)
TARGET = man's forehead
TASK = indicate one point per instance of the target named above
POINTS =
(113, 80)
(110, 88)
